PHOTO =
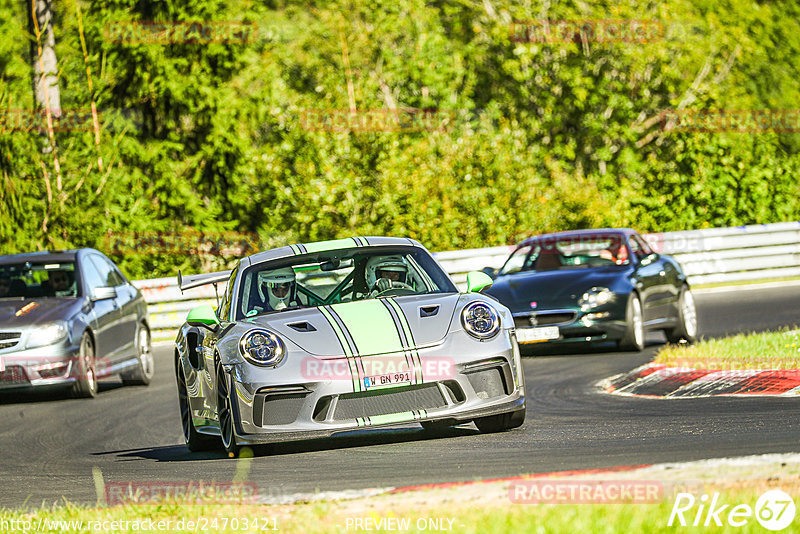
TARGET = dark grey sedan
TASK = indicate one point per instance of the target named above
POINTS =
(68, 318)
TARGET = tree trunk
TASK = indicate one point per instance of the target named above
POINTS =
(43, 56)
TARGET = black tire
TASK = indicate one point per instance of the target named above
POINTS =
(195, 441)
(143, 371)
(501, 422)
(633, 339)
(225, 412)
(686, 331)
(86, 384)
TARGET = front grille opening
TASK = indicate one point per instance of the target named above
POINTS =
(544, 319)
(454, 392)
(384, 402)
(322, 408)
(488, 383)
(278, 408)
(14, 374)
(54, 372)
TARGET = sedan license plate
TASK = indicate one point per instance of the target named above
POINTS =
(390, 379)
(538, 334)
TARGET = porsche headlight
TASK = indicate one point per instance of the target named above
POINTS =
(597, 296)
(262, 347)
(47, 334)
(480, 320)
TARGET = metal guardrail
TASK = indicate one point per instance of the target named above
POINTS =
(711, 255)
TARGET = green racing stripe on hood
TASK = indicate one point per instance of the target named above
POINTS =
(334, 244)
(370, 325)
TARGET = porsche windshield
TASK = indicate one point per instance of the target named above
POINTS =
(38, 280)
(549, 253)
(339, 276)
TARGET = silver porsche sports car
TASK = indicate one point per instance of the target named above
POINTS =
(310, 340)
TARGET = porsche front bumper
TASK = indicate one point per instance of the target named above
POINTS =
(487, 382)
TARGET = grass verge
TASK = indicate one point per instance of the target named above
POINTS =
(769, 350)
(482, 515)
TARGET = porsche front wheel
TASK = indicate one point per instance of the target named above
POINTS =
(225, 412)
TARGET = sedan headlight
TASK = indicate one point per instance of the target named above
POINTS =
(262, 347)
(47, 334)
(480, 320)
(597, 296)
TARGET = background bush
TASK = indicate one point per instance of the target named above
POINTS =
(545, 136)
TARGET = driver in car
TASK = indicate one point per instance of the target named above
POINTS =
(386, 272)
(278, 289)
(62, 283)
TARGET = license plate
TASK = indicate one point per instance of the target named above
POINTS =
(538, 334)
(2, 365)
(390, 379)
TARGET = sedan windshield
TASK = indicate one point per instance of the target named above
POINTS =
(339, 276)
(38, 280)
(549, 253)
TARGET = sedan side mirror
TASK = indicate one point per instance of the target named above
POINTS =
(203, 316)
(103, 293)
(477, 281)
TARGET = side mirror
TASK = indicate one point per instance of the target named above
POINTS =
(478, 281)
(490, 272)
(103, 293)
(203, 316)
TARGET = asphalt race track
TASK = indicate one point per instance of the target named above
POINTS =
(48, 446)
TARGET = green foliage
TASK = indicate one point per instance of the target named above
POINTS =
(545, 136)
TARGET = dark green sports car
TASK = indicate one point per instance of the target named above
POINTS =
(594, 285)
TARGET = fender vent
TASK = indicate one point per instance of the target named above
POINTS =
(428, 311)
(302, 327)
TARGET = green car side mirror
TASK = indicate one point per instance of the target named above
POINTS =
(478, 281)
(203, 316)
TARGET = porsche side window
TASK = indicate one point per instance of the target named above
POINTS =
(225, 305)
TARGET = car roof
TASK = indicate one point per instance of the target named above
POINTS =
(325, 246)
(38, 257)
(577, 233)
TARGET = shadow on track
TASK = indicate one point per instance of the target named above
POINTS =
(345, 440)
(31, 395)
(582, 348)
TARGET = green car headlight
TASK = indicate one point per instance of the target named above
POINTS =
(597, 296)
(47, 334)
(262, 347)
(480, 320)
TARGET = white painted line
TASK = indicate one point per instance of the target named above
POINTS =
(748, 287)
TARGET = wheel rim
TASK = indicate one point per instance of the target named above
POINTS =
(638, 330)
(145, 354)
(87, 355)
(183, 402)
(689, 313)
(224, 408)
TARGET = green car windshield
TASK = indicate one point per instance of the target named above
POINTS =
(336, 276)
(549, 253)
